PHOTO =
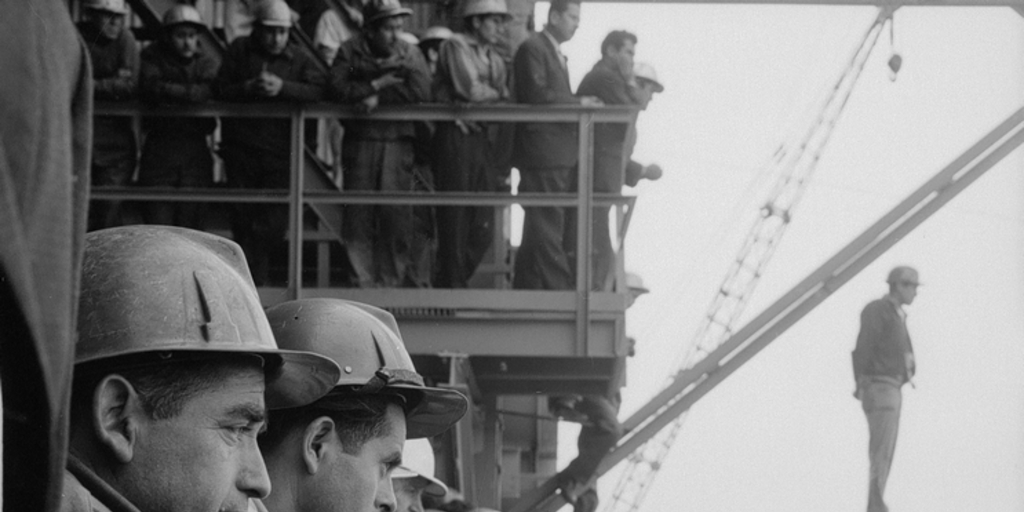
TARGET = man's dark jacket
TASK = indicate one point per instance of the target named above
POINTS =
(540, 79)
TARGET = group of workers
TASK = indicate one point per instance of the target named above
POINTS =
(188, 395)
(372, 63)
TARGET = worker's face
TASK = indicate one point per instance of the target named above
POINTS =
(646, 90)
(109, 24)
(206, 458)
(489, 28)
(622, 58)
(564, 24)
(185, 41)
(409, 493)
(384, 35)
(906, 287)
(272, 39)
(360, 480)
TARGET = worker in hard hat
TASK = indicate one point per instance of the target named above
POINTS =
(647, 85)
(338, 454)
(883, 361)
(430, 42)
(469, 70)
(114, 54)
(175, 368)
(414, 478)
(266, 66)
(177, 70)
(378, 68)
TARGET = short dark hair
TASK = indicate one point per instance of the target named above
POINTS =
(616, 39)
(163, 387)
(560, 6)
(357, 419)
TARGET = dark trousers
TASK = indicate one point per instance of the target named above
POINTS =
(378, 238)
(177, 162)
(462, 164)
(608, 172)
(258, 228)
(881, 400)
(542, 262)
(596, 438)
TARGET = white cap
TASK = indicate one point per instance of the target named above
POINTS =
(418, 462)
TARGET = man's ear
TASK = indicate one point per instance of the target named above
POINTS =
(316, 440)
(115, 411)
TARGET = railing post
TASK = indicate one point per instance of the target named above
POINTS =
(584, 225)
(295, 203)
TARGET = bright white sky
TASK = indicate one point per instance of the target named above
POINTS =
(784, 432)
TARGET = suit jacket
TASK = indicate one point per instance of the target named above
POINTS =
(882, 342)
(541, 79)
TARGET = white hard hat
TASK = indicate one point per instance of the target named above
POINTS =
(635, 284)
(418, 462)
(182, 14)
(275, 14)
(114, 6)
(437, 32)
(480, 7)
(409, 37)
(646, 71)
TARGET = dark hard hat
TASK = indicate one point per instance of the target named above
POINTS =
(180, 294)
(365, 342)
(377, 10)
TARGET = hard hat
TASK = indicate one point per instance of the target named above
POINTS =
(157, 293)
(902, 272)
(436, 32)
(275, 14)
(409, 37)
(646, 71)
(365, 342)
(114, 6)
(418, 462)
(379, 9)
(182, 14)
(480, 7)
(635, 284)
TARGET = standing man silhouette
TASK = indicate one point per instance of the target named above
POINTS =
(883, 362)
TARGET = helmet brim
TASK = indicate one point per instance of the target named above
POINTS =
(431, 411)
(302, 378)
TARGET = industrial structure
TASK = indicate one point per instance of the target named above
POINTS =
(508, 350)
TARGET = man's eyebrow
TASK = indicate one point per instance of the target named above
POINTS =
(253, 412)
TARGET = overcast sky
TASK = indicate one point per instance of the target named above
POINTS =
(784, 432)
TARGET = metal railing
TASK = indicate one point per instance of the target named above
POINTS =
(297, 196)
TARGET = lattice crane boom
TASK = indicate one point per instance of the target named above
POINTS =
(794, 164)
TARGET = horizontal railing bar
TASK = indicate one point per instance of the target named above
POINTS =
(341, 198)
(419, 112)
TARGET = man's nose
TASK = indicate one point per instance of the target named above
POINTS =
(254, 480)
(385, 500)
